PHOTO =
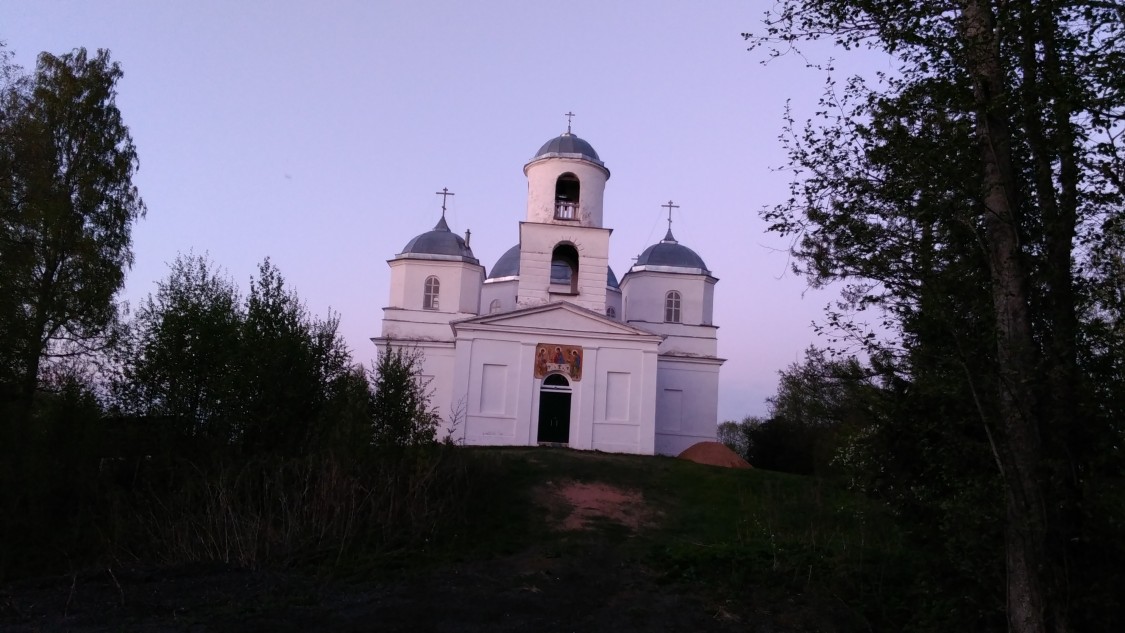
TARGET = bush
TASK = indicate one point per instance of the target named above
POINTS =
(400, 411)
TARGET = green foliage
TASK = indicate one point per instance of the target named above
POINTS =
(730, 434)
(971, 197)
(183, 357)
(401, 412)
(290, 360)
(260, 375)
(67, 204)
(820, 403)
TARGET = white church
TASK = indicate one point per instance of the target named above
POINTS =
(548, 347)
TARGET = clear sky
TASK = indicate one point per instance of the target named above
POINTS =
(317, 133)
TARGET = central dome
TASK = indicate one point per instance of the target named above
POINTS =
(567, 145)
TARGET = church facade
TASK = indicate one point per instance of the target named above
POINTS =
(548, 347)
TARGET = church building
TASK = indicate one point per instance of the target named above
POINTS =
(548, 347)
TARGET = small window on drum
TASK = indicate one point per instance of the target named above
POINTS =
(430, 293)
(494, 307)
(611, 312)
(672, 307)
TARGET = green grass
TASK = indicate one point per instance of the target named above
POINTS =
(726, 530)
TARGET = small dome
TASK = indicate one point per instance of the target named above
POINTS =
(440, 243)
(509, 266)
(567, 144)
(670, 254)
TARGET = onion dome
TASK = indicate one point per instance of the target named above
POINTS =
(440, 243)
(508, 267)
(668, 255)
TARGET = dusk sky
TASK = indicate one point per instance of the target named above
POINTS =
(316, 133)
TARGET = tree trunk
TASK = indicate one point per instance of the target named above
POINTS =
(1018, 441)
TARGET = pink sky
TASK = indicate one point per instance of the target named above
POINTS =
(316, 134)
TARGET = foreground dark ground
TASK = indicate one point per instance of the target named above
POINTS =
(642, 544)
(531, 591)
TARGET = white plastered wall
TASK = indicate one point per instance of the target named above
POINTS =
(644, 295)
(623, 421)
(686, 402)
(543, 174)
(613, 300)
(502, 291)
(459, 294)
(537, 244)
(460, 284)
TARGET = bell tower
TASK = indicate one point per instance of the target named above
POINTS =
(564, 250)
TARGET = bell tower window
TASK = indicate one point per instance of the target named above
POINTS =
(567, 189)
(564, 269)
(430, 293)
(672, 307)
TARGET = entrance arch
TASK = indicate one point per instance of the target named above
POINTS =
(554, 410)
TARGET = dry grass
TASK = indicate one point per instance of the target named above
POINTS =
(310, 510)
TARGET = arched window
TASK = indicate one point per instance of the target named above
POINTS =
(672, 307)
(494, 307)
(556, 380)
(564, 267)
(430, 293)
(611, 312)
(567, 190)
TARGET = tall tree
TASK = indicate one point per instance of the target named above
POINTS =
(261, 375)
(290, 361)
(67, 203)
(952, 194)
(182, 358)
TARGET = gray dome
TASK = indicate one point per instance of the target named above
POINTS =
(668, 253)
(440, 243)
(565, 144)
(509, 266)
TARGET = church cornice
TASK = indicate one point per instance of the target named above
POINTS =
(501, 322)
(680, 357)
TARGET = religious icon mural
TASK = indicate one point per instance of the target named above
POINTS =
(564, 359)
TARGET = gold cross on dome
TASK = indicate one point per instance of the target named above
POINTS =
(569, 116)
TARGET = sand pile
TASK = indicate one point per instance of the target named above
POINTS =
(714, 454)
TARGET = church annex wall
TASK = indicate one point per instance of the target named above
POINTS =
(686, 402)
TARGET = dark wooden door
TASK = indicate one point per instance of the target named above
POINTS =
(554, 417)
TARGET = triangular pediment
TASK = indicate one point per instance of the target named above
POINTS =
(555, 317)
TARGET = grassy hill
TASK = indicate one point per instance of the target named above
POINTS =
(544, 540)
